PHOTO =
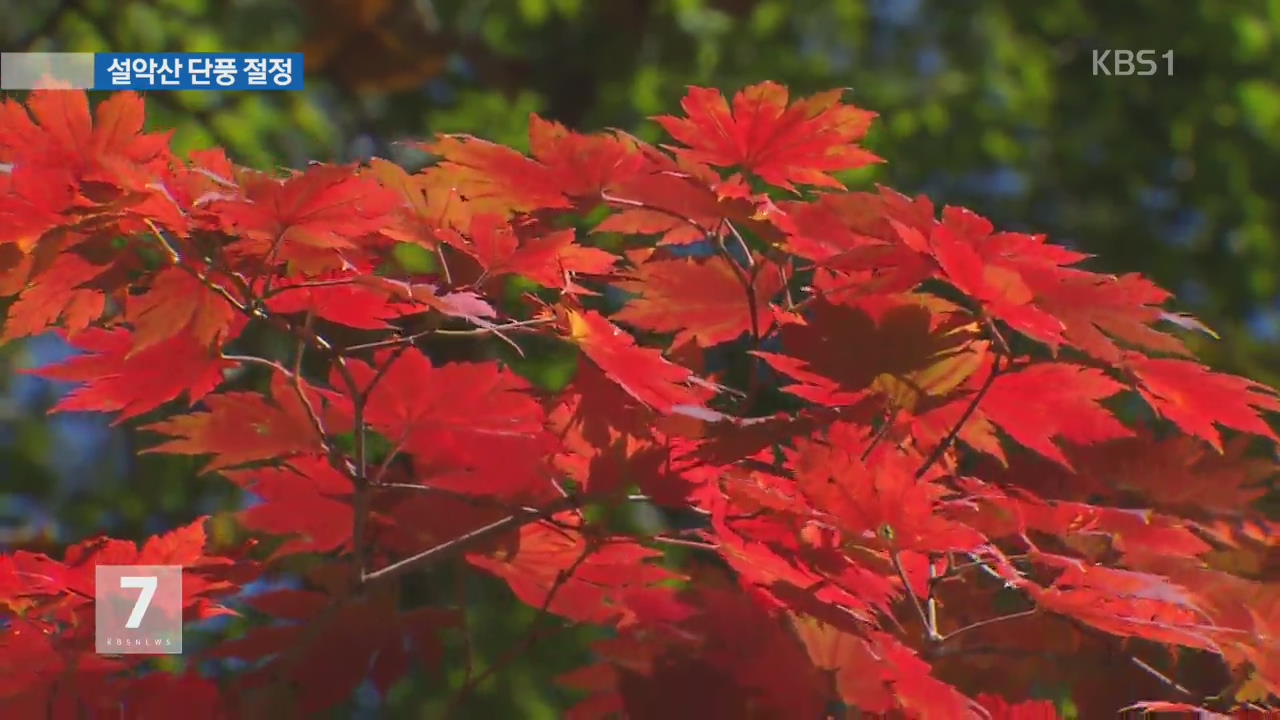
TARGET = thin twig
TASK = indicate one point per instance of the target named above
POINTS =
(464, 541)
(646, 206)
(999, 336)
(480, 500)
(312, 415)
(748, 287)
(254, 360)
(988, 621)
(931, 633)
(530, 635)
(176, 258)
(964, 417)
(360, 496)
(383, 344)
(746, 249)
(269, 263)
(381, 472)
(931, 602)
(785, 282)
(566, 494)
(667, 539)
(961, 567)
(444, 265)
(884, 430)
(1162, 677)
(267, 293)
(409, 339)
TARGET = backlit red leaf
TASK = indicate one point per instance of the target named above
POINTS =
(783, 144)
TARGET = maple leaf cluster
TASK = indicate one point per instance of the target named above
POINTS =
(911, 465)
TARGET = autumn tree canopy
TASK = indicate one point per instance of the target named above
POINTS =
(891, 459)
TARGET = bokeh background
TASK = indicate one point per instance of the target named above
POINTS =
(989, 104)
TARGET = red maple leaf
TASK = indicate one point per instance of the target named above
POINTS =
(493, 178)
(701, 301)
(589, 578)
(583, 165)
(1195, 398)
(178, 301)
(470, 427)
(642, 372)
(305, 219)
(1036, 404)
(307, 500)
(783, 144)
(69, 159)
(242, 427)
(880, 497)
(546, 259)
(118, 380)
(58, 294)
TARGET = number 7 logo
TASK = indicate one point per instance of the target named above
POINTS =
(148, 585)
(138, 609)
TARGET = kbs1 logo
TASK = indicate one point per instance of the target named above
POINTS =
(138, 609)
(1125, 63)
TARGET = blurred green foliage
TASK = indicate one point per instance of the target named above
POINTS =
(993, 105)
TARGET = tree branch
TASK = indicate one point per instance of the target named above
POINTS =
(988, 621)
(742, 243)
(749, 288)
(312, 415)
(685, 543)
(267, 293)
(964, 417)
(931, 633)
(530, 635)
(889, 419)
(1165, 679)
(646, 206)
(410, 339)
(450, 548)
